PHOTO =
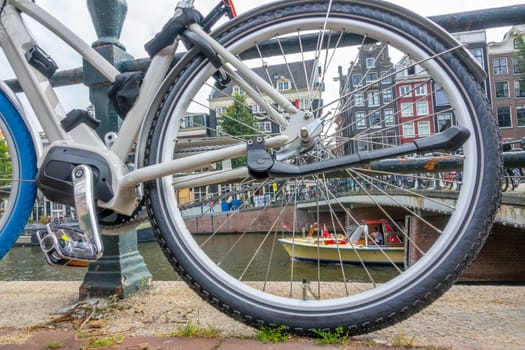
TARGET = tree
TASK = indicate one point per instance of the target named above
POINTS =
(5, 164)
(519, 54)
(238, 121)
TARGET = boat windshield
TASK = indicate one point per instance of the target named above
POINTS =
(359, 233)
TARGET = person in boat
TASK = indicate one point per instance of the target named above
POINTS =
(377, 236)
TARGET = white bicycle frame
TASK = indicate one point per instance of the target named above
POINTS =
(15, 39)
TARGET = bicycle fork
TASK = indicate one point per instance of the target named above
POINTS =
(63, 245)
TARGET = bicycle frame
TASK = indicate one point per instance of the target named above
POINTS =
(15, 39)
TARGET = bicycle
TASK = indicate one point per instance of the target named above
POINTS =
(511, 179)
(511, 176)
(317, 140)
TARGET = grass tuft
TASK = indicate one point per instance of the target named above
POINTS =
(337, 336)
(273, 334)
(191, 329)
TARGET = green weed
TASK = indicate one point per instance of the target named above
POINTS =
(337, 336)
(105, 342)
(273, 334)
(191, 329)
(54, 344)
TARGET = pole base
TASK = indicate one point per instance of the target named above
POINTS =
(120, 272)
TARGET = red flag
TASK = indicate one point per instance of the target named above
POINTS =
(326, 233)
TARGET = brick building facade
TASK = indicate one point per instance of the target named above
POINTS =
(508, 84)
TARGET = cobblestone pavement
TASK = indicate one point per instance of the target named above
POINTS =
(35, 313)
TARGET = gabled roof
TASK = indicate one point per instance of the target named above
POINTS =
(272, 73)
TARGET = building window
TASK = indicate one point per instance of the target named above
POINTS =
(360, 120)
(516, 68)
(389, 116)
(386, 77)
(499, 65)
(390, 137)
(519, 88)
(444, 121)
(441, 97)
(220, 110)
(373, 98)
(520, 115)
(502, 89)
(283, 85)
(504, 119)
(371, 77)
(199, 192)
(407, 109)
(238, 90)
(265, 127)
(256, 108)
(423, 128)
(188, 122)
(408, 130)
(478, 56)
(405, 91)
(375, 120)
(357, 79)
(359, 99)
(387, 96)
(422, 108)
(370, 62)
(421, 90)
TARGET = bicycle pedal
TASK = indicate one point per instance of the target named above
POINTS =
(66, 246)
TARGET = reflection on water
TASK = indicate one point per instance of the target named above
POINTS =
(28, 263)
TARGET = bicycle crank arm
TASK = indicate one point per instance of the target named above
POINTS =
(64, 245)
(262, 165)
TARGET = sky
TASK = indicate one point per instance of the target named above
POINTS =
(145, 18)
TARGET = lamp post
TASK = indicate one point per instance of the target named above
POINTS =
(121, 271)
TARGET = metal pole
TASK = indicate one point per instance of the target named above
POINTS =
(121, 271)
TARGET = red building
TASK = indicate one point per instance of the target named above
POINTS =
(414, 103)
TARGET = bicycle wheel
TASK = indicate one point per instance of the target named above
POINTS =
(17, 169)
(286, 251)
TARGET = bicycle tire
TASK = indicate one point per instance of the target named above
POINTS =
(22, 188)
(413, 288)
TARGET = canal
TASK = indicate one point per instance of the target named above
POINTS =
(28, 264)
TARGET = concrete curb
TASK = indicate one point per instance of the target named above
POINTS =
(467, 317)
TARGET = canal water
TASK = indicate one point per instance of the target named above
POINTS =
(28, 263)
